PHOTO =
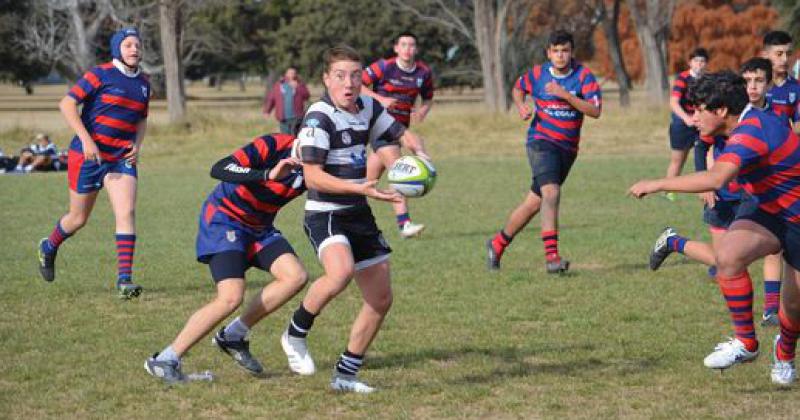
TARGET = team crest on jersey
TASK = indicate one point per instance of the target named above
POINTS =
(359, 161)
(144, 91)
(419, 82)
(792, 96)
(231, 235)
(346, 139)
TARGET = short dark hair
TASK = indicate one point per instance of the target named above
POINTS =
(699, 52)
(560, 37)
(777, 38)
(757, 63)
(405, 34)
(340, 53)
(722, 89)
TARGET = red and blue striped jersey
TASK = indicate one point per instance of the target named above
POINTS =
(255, 204)
(732, 191)
(785, 99)
(392, 81)
(113, 104)
(555, 120)
(680, 90)
(767, 153)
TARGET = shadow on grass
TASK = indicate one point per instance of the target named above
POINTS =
(515, 362)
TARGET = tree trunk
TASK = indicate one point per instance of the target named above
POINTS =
(485, 40)
(170, 31)
(81, 41)
(655, 67)
(611, 31)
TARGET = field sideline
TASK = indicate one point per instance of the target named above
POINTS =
(610, 339)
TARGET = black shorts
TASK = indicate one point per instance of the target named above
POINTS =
(724, 212)
(787, 233)
(549, 163)
(355, 227)
(681, 136)
(233, 264)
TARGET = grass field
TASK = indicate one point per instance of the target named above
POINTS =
(610, 339)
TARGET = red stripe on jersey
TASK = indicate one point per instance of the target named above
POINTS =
(263, 149)
(209, 213)
(784, 150)
(400, 89)
(707, 140)
(255, 203)
(115, 123)
(78, 91)
(242, 157)
(123, 102)
(281, 189)
(108, 157)
(554, 135)
(731, 158)
(753, 143)
(92, 79)
(376, 70)
(589, 88)
(106, 66)
(560, 104)
(110, 141)
(754, 121)
(283, 141)
(537, 73)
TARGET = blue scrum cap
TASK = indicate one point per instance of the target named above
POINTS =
(118, 37)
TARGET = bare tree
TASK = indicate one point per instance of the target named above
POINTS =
(610, 22)
(171, 27)
(653, 19)
(483, 23)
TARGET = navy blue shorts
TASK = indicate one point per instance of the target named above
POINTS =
(724, 212)
(681, 136)
(787, 233)
(219, 234)
(549, 163)
(88, 176)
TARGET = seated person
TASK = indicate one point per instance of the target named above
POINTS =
(39, 156)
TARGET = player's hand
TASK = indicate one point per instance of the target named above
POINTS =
(283, 168)
(386, 101)
(417, 117)
(709, 198)
(423, 155)
(390, 195)
(644, 187)
(553, 88)
(133, 155)
(91, 152)
(525, 111)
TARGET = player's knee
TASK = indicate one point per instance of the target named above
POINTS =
(729, 263)
(550, 193)
(297, 279)
(230, 301)
(76, 220)
(382, 302)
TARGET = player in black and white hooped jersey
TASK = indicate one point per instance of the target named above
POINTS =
(338, 221)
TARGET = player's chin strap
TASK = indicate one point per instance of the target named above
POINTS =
(127, 71)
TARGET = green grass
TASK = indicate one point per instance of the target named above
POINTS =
(611, 339)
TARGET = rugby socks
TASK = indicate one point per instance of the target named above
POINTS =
(349, 363)
(126, 244)
(550, 239)
(55, 239)
(402, 219)
(168, 355)
(772, 295)
(500, 241)
(738, 293)
(301, 322)
(790, 330)
(236, 330)
(677, 243)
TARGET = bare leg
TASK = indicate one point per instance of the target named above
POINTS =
(290, 277)
(376, 290)
(122, 195)
(522, 215)
(337, 259)
(229, 296)
(551, 197)
(676, 161)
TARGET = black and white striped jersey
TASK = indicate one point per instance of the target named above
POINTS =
(338, 139)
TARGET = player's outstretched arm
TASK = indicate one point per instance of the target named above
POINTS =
(719, 175)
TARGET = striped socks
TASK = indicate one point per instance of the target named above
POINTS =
(402, 219)
(500, 241)
(790, 330)
(349, 363)
(677, 243)
(738, 293)
(550, 239)
(126, 245)
(55, 239)
(772, 295)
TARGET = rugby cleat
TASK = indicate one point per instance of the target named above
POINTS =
(492, 257)
(411, 230)
(239, 350)
(783, 372)
(168, 371)
(47, 262)
(661, 249)
(557, 266)
(349, 383)
(770, 318)
(729, 353)
(296, 350)
(128, 290)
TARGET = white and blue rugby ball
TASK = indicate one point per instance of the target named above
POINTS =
(412, 176)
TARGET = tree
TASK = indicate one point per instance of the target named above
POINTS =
(170, 19)
(15, 64)
(653, 19)
(610, 24)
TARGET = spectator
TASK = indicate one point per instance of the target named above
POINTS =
(39, 156)
(287, 97)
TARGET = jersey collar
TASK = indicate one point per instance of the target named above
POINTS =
(327, 99)
(125, 69)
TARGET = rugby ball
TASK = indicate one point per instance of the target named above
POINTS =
(412, 176)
